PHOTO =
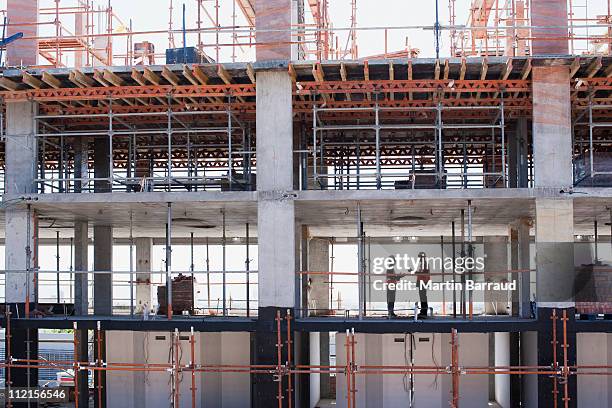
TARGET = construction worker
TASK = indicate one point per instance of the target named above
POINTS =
(424, 276)
(392, 278)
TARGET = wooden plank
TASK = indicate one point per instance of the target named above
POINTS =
(8, 84)
(574, 67)
(224, 75)
(226, 78)
(594, 67)
(507, 70)
(446, 69)
(151, 76)
(484, 69)
(112, 78)
(200, 75)
(32, 81)
(391, 78)
(344, 77)
(83, 79)
(189, 75)
(251, 73)
(50, 80)
(292, 73)
(462, 72)
(410, 77)
(170, 76)
(138, 77)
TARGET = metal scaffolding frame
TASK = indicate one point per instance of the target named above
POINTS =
(354, 178)
(286, 372)
(175, 150)
(591, 158)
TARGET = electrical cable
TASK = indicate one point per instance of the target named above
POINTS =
(434, 384)
(408, 379)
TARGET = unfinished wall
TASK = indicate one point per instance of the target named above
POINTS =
(429, 391)
(529, 357)
(227, 390)
(23, 52)
(594, 349)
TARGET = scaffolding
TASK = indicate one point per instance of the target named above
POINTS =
(286, 371)
(503, 27)
(147, 151)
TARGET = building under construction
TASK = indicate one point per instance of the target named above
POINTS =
(243, 208)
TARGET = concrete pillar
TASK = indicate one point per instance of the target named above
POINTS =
(101, 165)
(555, 253)
(276, 222)
(20, 232)
(550, 33)
(501, 352)
(144, 249)
(520, 260)
(518, 146)
(318, 261)
(81, 158)
(81, 249)
(496, 260)
(23, 52)
(276, 16)
(103, 261)
(21, 159)
(81, 300)
(276, 228)
(522, 152)
(552, 135)
(79, 29)
(555, 287)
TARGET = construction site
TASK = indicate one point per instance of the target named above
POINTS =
(306, 203)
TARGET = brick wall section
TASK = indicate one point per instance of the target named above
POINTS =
(594, 290)
(22, 52)
(273, 15)
(549, 13)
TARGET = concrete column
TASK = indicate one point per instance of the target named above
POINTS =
(79, 29)
(81, 297)
(101, 165)
(555, 253)
(20, 232)
(276, 229)
(496, 260)
(522, 152)
(501, 384)
(81, 158)
(520, 260)
(21, 159)
(144, 249)
(81, 249)
(276, 222)
(555, 286)
(103, 261)
(23, 52)
(549, 17)
(318, 261)
(276, 16)
(552, 135)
